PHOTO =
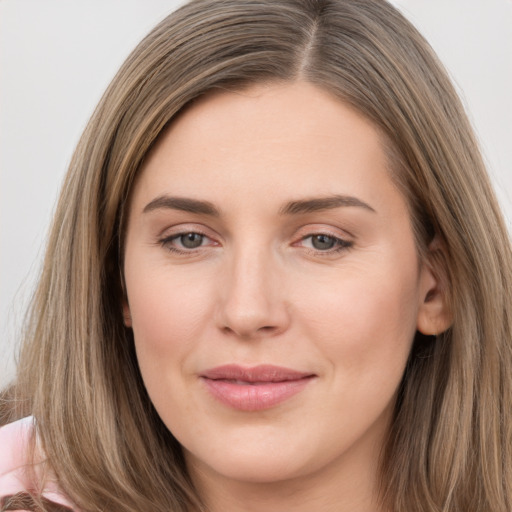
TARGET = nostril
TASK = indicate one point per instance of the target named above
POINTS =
(250, 311)
(251, 333)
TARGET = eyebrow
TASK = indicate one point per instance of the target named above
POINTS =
(183, 204)
(323, 203)
(302, 206)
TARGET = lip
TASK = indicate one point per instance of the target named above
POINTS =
(254, 388)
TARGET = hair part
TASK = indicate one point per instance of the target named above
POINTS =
(450, 445)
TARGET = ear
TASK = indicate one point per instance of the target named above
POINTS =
(434, 313)
(127, 317)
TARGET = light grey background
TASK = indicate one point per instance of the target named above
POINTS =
(57, 57)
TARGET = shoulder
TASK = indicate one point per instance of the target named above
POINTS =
(14, 441)
(18, 477)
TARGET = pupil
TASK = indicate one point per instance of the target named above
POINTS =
(323, 242)
(192, 240)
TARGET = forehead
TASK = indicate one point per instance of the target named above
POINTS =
(268, 114)
(292, 138)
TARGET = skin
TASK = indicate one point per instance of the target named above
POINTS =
(260, 289)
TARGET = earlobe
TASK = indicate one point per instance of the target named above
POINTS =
(434, 313)
(433, 317)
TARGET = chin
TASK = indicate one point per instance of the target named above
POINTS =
(256, 470)
(262, 462)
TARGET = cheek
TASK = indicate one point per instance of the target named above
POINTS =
(365, 322)
(364, 331)
(169, 313)
(168, 309)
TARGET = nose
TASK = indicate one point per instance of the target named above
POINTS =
(252, 298)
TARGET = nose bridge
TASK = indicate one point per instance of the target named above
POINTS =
(252, 301)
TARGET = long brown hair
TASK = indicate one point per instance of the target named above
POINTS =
(450, 445)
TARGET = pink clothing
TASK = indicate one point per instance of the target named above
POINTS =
(14, 477)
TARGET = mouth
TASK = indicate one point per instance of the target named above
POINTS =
(254, 388)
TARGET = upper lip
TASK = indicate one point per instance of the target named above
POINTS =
(260, 373)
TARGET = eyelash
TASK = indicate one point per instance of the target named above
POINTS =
(167, 241)
(340, 244)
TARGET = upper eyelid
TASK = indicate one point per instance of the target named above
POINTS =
(184, 228)
(342, 241)
(319, 229)
(330, 235)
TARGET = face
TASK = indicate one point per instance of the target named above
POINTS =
(273, 284)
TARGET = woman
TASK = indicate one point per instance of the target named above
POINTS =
(276, 280)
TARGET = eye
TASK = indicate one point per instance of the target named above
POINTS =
(186, 242)
(190, 240)
(323, 242)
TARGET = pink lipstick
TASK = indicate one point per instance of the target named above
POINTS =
(255, 388)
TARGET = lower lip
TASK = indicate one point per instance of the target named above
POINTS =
(254, 397)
